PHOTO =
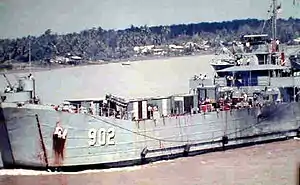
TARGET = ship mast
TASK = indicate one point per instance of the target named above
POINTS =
(29, 57)
(274, 20)
(30, 71)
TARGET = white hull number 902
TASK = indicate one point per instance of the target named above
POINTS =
(105, 137)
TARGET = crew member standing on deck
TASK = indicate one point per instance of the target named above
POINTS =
(30, 76)
(277, 45)
(8, 89)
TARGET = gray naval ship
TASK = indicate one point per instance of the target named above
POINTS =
(242, 104)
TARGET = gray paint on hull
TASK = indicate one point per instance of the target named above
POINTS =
(5, 146)
(1, 162)
(131, 137)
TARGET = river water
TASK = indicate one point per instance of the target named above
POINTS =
(268, 164)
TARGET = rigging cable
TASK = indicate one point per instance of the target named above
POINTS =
(265, 21)
(178, 141)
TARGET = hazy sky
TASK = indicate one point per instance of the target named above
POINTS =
(24, 17)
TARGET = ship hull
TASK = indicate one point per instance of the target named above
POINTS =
(27, 134)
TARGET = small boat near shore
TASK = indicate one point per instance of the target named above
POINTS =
(126, 63)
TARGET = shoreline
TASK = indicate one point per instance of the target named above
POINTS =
(132, 59)
(90, 63)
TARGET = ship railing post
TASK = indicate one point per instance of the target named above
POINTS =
(236, 131)
(34, 95)
(97, 110)
(294, 89)
(124, 114)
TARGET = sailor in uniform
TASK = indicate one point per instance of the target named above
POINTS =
(8, 89)
(30, 76)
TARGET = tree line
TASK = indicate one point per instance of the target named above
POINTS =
(100, 44)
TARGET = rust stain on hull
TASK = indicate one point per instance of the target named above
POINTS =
(43, 154)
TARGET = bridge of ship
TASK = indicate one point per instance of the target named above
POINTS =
(271, 80)
(261, 77)
(258, 45)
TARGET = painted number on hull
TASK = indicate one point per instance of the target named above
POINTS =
(105, 137)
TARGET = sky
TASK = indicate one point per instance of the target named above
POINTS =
(20, 18)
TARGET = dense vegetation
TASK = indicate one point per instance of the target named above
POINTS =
(97, 43)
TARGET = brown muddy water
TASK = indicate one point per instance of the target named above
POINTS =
(274, 163)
